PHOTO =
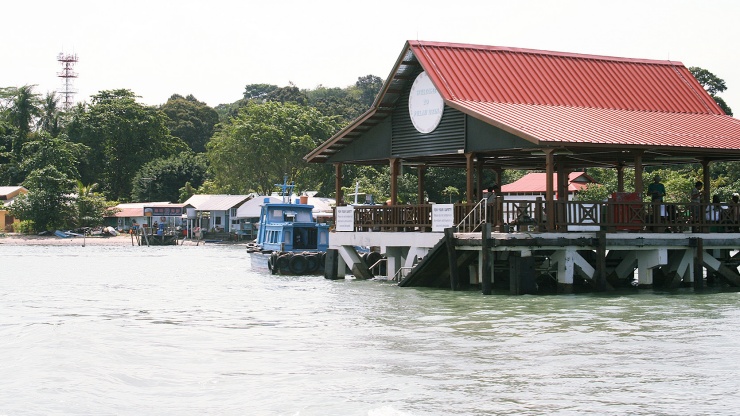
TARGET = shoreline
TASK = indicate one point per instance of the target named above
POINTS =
(15, 239)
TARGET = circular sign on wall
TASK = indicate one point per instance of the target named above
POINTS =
(425, 104)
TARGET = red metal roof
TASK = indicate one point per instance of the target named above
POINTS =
(536, 183)
(524, 76)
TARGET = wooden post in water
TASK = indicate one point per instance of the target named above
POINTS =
(601, 262)
(452, 258)
(485, 258)
(698, 244)
(331, 264)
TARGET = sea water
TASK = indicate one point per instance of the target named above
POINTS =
(100, 330)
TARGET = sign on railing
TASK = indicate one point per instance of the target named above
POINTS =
(443, 216)
(345, 219)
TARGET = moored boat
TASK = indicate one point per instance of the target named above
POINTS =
(289, 240)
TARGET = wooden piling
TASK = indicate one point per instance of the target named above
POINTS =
(485, 259)
(452, 258)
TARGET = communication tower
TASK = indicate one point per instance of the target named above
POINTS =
(68, 74)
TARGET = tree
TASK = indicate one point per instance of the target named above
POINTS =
(20, 107)
(122, 136)
(48, 201)
(50, 117)
(190, 120)
(161, 179)
(52, 151)
(89, 207)
(713, 85)
(369, 87)
(264, 142)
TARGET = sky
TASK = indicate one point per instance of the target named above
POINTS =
(213, 49)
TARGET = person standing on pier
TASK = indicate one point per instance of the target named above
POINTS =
(657, 192)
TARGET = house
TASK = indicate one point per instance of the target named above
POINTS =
(534, 185)
(7, 195)
(215, 213)
(128, 215)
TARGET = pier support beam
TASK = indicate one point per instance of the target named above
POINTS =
(355, 262)
(647, 260)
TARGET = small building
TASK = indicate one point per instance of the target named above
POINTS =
(130, 215)
(215, 213)
(534, 185)
(7, 195)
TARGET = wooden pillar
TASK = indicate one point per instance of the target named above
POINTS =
(638, 174)
(394, 180)
(499, 175)
(549, 191)
(562, 193)
(469, 169)
(338, 184)
(620, 177)
(706, 177)
(420, 172)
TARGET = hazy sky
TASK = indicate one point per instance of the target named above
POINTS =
(213, 49)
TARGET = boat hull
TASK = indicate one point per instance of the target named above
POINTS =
(288, 263)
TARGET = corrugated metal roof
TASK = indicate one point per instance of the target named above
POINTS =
(536, 182)
(543, 124)
(526, 76)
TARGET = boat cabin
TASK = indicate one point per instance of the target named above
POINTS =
(291, 227)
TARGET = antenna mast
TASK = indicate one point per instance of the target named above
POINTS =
(68, 74)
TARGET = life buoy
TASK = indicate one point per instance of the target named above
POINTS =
(282, 262)
(298, 264)
(312, 261)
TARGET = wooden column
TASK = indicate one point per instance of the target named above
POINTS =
(479, 179)
(469, 169)
(620, 177)
(420, 172)
(638, 174)
(562, 193)
(549, 191)
(706, 177)
(499, 175)
(394, 180)
(338, 184)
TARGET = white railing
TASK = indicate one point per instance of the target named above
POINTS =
(475, 218)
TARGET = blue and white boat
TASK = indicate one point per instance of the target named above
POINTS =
(289, 240)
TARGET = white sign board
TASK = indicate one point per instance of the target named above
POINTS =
(345, 218)
(443, 216)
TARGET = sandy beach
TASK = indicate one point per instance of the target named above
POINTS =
(36, 240)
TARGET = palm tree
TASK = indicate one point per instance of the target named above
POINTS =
(49, 119)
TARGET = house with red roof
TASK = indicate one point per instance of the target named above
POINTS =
(534, 185)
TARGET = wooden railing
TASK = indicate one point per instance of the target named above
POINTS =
(570, 216)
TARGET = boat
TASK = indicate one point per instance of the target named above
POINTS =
(289, 239)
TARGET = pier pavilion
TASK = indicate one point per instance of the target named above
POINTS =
(494, 108)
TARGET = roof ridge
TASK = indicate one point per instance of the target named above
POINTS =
(431, 44)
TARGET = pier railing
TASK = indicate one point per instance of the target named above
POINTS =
(570, 216)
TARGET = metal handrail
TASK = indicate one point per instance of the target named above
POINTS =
(475, 218)
(397, 276)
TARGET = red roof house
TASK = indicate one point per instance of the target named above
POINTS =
(535, 184)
